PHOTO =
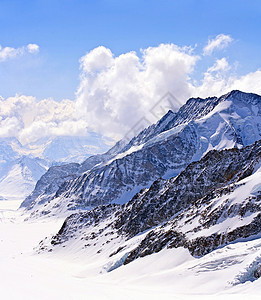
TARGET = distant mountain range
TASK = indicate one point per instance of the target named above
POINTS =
(22, 165)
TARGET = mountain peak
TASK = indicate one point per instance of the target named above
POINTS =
(237, 95)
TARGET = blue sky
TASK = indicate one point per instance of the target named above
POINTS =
(65, 30)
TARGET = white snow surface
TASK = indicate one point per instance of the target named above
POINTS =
(19, 177)
(77, 274)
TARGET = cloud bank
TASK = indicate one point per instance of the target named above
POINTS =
(28, 120)
(117, 91)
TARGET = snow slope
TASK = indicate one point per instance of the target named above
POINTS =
(18, 172)
(169, 274)
(20, 176)
(213, 203)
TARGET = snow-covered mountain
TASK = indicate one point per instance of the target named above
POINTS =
(18, 172)
(213, 202)
(18, 177)
(162, 150)
(21, 166)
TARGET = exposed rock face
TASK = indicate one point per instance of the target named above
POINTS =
(213, 202)
(192, 198)
(205, 244)
(200, 180)
(50, 182)
(162, 150)
(257, 272)
(79, 221)
(109, 182)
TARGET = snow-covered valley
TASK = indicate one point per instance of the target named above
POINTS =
(169, 274)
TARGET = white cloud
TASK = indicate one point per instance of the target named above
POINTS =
(221, 41)
(97, 60)
(10, 53)
(220, 65)
(28, 120)
(249, 83)
(9, 127)
(32, 48)
(117, 91)
(219, 83)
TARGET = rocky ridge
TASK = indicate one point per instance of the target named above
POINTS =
(211, 203)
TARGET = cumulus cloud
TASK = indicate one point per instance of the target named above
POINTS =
(221, 41)
(10, 53)
(115, 92)
(248, 83)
